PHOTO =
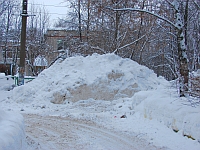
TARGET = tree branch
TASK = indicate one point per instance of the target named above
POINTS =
(148, 12)
(129, 44)
(98, 48)
(197, 5)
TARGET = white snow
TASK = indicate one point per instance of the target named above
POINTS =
(102, 88)
(12, 134)
(2, 75)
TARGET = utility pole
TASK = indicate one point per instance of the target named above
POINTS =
(23, 43)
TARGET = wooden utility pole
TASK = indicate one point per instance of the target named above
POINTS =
(23, 43)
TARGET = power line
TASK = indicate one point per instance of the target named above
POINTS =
(48, 5)
(47, 13)
(51, 13)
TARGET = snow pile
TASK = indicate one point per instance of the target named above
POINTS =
(100, 77)
(12, 135)
(176, 113)
(2, 75)
(101, 87)
(6, 86)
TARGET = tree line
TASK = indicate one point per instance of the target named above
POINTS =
(10, 30)
(162, 35)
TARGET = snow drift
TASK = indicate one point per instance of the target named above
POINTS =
(176, 113)
(12, 135)
(109, 77)
(100, 77)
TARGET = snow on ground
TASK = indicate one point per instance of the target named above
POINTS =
(12, 131)
(12, 135)
(104, 77)
(114, 93)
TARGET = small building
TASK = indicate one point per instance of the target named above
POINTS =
(61, 41)
(40, 63)
(57, 39)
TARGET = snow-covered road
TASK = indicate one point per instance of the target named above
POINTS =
(53, 132)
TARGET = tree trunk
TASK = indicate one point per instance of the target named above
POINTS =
(117, 21)
(88, 20)
(183, 62)
(139, 30)
(79, 19)
(182, 55)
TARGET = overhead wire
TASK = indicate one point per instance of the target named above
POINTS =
(48, 13)
(45, 5)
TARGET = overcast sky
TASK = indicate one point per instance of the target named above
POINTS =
(56, 8)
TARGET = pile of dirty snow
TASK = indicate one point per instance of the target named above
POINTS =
(100, 77)
(121, 86)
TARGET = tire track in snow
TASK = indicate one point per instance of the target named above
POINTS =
(61, 133)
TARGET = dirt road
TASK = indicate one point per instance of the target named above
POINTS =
(58, 133)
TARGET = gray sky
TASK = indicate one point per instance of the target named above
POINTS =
(55, 7)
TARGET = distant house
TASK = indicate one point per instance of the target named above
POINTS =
(58, 40)
(40, 63)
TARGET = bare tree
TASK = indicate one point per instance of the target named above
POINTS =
(179, 25)
(9, 30)
(159, 34)
(38, 23)
(3, 6)
(10, 8)
(79, 19)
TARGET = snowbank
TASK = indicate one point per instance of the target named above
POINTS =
(12, 135)
(2, 75)
(7, 82)
(176, 113)
(110, 78)
(101, 77)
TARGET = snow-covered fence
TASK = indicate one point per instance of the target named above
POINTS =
(26, 79)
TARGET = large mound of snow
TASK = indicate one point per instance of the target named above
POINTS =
(12, 134)
(101, 77)
(109, 79)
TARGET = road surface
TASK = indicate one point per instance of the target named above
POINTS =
(60, 133)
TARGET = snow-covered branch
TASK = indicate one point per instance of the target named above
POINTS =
(148, 12)
(129, 44)
(197, 5)
(98, 48)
